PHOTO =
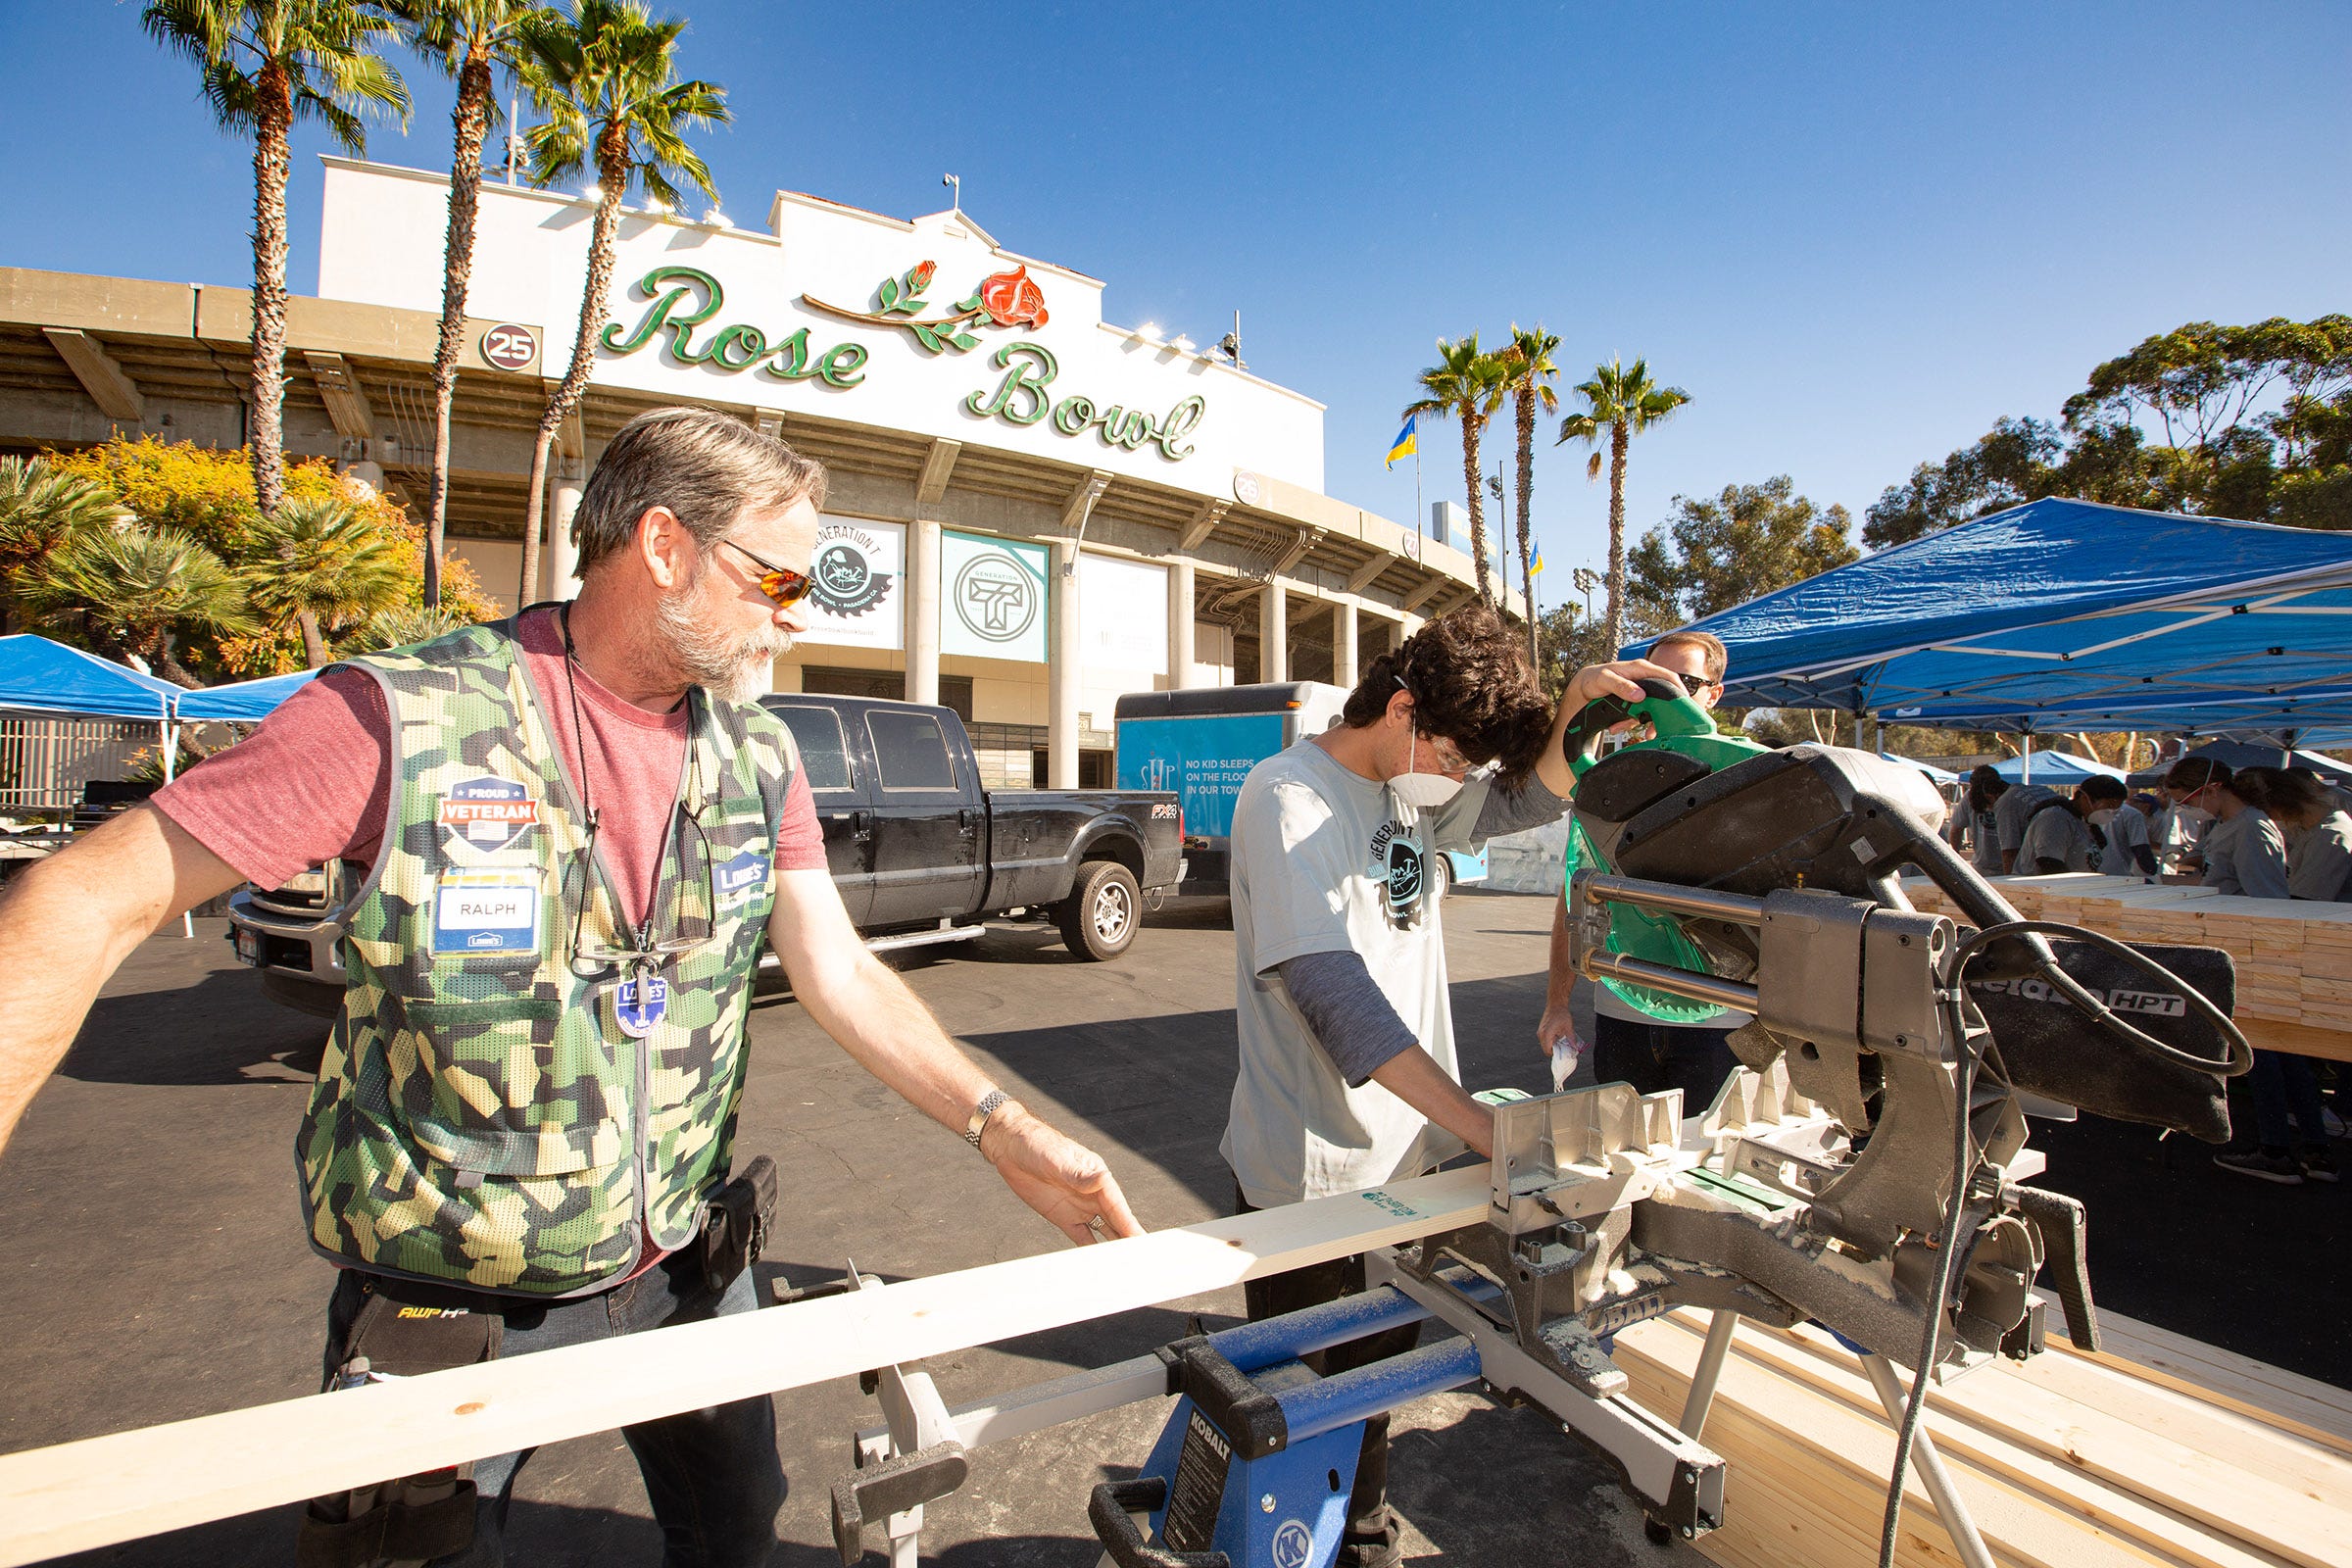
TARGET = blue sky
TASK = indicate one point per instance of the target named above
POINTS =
(1856, 234)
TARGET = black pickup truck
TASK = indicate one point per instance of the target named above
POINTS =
(920, 851)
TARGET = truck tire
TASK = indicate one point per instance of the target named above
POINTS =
(1441, 877)
(1099, 918)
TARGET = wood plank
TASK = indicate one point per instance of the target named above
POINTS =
(99, 1491)
(2318, 1412)
(2159, 1491)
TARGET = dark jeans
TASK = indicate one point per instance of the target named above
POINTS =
(1371, 1536)
(2283, 1085)
(713, 1476)
(1655, 1057)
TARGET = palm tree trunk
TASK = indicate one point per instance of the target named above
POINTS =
(472, 123)
(313, 646)
(1525, 413)
(612, 167)
(1618, 441)
(1478, 511)
(274, 114)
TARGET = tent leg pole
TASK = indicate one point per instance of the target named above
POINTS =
(187, 921)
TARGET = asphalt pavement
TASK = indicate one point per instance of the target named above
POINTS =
(156, 1267)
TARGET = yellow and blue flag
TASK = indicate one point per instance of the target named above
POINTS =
(1405, 445)
(1536, 567)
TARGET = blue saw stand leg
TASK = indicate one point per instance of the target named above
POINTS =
(1257, 1459)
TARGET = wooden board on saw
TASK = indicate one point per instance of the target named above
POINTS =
(2067, 1461)
(2293, 958)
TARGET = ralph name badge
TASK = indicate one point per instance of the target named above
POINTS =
(486, 912)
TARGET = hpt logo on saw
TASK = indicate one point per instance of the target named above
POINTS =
(994, 598)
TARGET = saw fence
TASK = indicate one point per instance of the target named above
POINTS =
(2071, 1460)
(2293, 957)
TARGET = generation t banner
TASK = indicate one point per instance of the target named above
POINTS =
(856, 597)
(992, 597)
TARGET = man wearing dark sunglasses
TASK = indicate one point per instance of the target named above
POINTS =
(1630, 1046)
(574, 833)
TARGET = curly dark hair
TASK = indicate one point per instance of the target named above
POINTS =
(1470, 683)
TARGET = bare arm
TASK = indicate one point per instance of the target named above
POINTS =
(1413, 1077)
(1620, 679)
(1559, 984)
(69, 920)
(872, 1015)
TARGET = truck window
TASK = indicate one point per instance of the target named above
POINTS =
(910, 750)
(824, 758)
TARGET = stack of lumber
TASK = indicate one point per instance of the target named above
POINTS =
(2293, 958)
(2067, 1461)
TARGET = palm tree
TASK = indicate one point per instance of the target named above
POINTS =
(1625, 402)
(606, 77)
(1527, 371)
(1465, 385)
(321, 564)
(404, 624)
(40, 509)
(469, 39)
(134, 589)
(266, 65)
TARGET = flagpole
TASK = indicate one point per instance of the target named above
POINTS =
(1418, 514)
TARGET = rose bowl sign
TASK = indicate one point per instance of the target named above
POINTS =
(508, 347)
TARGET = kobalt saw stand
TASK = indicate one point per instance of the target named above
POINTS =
(1864, 1169)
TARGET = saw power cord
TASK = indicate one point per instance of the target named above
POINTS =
(2238, 1055)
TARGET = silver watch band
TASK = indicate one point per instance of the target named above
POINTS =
(980, 1113)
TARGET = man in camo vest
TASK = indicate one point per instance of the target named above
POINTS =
(572, 833)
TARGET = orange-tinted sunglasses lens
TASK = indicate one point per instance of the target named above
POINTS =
(786, 588)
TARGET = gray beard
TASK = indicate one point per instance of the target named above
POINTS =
(733, 669)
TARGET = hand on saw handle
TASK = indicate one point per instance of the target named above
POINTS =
(1060, 1178)
(1623, 681)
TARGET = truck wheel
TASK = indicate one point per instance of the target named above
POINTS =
(1441, 877)
(1099, 918)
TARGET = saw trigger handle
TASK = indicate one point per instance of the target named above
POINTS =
(1663, 704)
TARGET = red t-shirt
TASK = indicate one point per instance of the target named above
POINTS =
(314, 783)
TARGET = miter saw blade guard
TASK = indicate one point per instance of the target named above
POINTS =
(1735, 818)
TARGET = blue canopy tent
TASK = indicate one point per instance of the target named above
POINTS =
(1938, 776)
(2053, 768)
(248, 702)
(2064, 615)
(40, 676)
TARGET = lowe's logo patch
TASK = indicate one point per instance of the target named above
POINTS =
(488, 813)
(740, 880)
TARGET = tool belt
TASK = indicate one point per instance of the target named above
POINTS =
(403, 1330)
(735, 1223)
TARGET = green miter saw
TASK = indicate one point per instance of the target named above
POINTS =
(1680, 728)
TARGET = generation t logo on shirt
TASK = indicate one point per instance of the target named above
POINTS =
(488, 813)
(1397, 864)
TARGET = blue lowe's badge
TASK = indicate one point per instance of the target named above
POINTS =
(740, 880)
(639, 1005)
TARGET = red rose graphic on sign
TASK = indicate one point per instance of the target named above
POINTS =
(1012, 299)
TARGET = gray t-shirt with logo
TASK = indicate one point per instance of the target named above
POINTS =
(1326, 861)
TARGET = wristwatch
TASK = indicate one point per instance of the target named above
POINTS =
(980, 1113)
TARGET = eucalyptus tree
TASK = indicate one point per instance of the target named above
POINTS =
(607, 77)
(471, 40)
(267, 64)
(1465, 385)
(1622, 400)
(1528, 372)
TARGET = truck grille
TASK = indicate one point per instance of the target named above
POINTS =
(311, 895)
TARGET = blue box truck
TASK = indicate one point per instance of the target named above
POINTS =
(1201, 742)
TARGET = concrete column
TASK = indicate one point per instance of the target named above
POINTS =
(1179, 623)
(922, 613)
(1273, 634)
(562, 557)
(1061, 670)
(1344, 662)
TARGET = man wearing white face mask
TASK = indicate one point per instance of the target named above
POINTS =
(1347, 1076)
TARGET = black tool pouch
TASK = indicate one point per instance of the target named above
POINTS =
(418, 1517)
(735, 1223)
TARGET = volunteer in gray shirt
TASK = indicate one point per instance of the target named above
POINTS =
(2244, 851)
(2127, 849)
(1629, 1045)
(1347, 1076)
(2055, 840)
(1985, 788)
(2318, 845)
(2010, 813)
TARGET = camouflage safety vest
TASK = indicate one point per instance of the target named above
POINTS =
(482, 1116)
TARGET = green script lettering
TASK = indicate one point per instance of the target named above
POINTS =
(665, 312)
(1029, 380)
(1179, 424)
(840, 365)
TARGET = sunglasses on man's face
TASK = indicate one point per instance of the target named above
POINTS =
(1694, 684)
(785, 586)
